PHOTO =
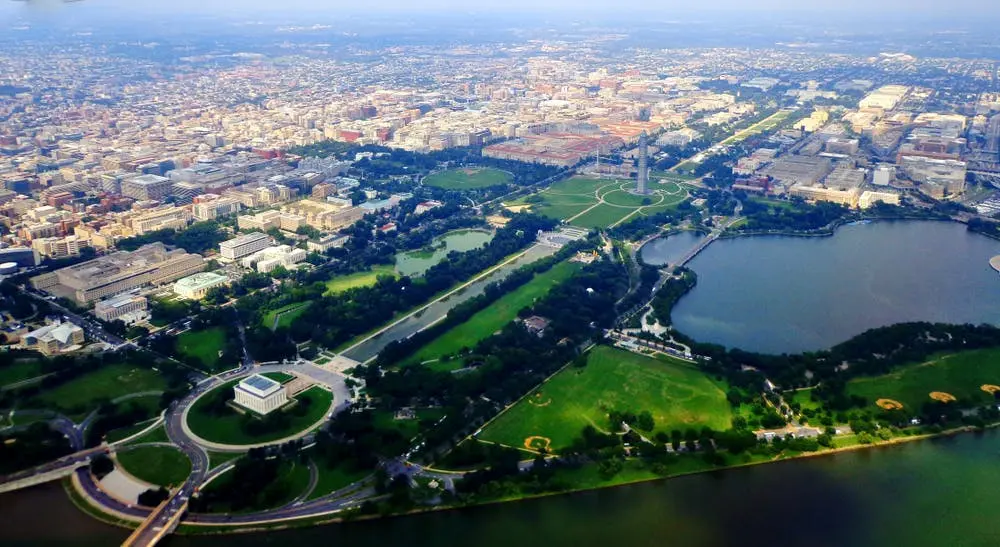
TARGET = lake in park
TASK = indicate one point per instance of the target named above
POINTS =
(415, 263)
(922, 494)
(781, 294)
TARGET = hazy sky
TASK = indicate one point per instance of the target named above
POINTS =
(666, 7)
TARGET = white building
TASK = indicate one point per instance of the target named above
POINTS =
(129, 308)
(244, 245)
(884, 175)
(211, 207)
(268, 259)
(260, 394)
(195, 287)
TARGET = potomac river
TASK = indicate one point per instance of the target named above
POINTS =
(777, 294)
(920, 494)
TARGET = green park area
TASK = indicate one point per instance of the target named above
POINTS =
(467, 179)
(203, 345)
(214, 418)
(283, 316)
(366, 278)
(678, 395)
(332, 478)
(159, 465)
(83, 394)
(19, 371)
(598, 203)
(971, 376)
(289, 481)
(492, 318)
(767, 124)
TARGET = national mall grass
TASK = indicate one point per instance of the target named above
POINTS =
(203, 345)
(108, 382)
(496, 315)
(677, 394)
(467, 179)
(367, 278)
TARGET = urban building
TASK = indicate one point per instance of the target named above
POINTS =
(243, 245)
(260, 394)
(169, 217)
(326, 243)
(128, 308)
(884, 175)
(268, 259)
(324, 215)
(272, 219)
(211, 207)
(59, 247)
(869, 198)
(938, 178)
(57, 337)
(195, 287)
(119, 272)
(23, 256)
(146, 187)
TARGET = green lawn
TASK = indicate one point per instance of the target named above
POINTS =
(20, 370)
(225, 428)
(492, 318)
(216, 459)
(385, 420)
(568, 198)
(160, 465)
(804, 398)
(280, 377)
(467, 179)
(960, 374)
(203, 345)
(291, 482)
(368, 278)
(126, 432)
(677, 394)
(83, 394)
(285, 315)
(331, 479)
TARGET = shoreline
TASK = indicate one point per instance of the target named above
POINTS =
(201, 529)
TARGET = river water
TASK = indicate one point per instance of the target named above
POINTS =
(777, 294)
(927, 493)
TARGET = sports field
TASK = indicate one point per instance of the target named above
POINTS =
(203, 345)
(598, 203)
(467, 179)
(495, 316)
(678, 395)
(962, 375)
(368, 278)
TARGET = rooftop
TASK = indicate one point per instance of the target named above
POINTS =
(258, 385)
(200, 280)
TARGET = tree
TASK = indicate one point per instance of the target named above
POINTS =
(101, 465)
(153, 496)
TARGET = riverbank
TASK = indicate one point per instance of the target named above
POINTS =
(831, 229)
(627, 478)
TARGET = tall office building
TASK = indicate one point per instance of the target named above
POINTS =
(642, 182)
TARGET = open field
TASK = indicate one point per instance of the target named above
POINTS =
(203, 345)
(678, 395)
(368, 278)
(226, 428)
(291, 481)
(467, 179)
(496, 315)
(19, 371)
(331, 479)
(766, 124)
(82, 394)
(599, 203)
(960, 374)
(284, 315)
(160, 465)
